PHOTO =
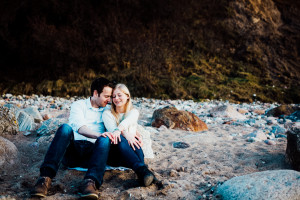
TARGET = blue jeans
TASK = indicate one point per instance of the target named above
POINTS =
(94, 156)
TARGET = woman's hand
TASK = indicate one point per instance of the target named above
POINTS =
(107, 134)
(133, 141)
(116, 137)
(139, 137)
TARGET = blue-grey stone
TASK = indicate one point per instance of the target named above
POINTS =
(26, 122)
(295, 116)
(278, 130)
(180, 145)
(32, 111)
(267, 185)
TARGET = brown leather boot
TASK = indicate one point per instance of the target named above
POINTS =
(88, 189)
(41, 187)
(146, 177)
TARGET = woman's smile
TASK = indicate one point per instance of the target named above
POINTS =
(119, 98)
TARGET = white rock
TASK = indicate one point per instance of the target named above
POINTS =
(8, 152)
(271, 120)
(33, 111)
(267, 185)
(226, 111)
(258, 135)
(8, 95)
(162, 128)
(151, 130)
(208, 121)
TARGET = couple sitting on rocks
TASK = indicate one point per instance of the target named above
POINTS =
(96, 135)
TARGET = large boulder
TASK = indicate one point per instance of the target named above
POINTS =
(147, 148)
(226, 111)
(33, 112)
(50, 126)
(25, 121)
(8, 122)
(177, 119)
(8, 152)
(293, 147)
(267, 185)
(282, 110)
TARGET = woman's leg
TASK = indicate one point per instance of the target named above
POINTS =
(139, 152)
(130, 158)
(122, 154)
(135, 160)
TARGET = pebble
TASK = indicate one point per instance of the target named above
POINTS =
(253, 117)
(47, 116)
(181, 145)
(181, 169)
(26, 133)
(162, 128)
(34, 144)
(280, 136)
(230, 137)
(173, 173)
(278, 129)
(270, 142)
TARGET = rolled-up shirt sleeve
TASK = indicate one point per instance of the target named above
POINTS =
(76, 119)
(109, 121)
(130, 119)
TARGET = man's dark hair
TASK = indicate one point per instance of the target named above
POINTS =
(99, 84)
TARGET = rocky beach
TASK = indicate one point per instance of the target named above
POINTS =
(203, 71)
(241, 152)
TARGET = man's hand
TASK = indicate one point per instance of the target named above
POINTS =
(107, 134)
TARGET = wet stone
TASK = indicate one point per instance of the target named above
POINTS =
(180, 145)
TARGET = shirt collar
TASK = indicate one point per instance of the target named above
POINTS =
(89, 105)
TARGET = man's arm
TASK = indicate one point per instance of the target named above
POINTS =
(78, 123)
(85, 131)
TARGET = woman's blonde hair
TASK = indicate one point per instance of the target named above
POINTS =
(128, 105)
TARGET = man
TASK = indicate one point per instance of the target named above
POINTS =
(81, 137)
(83, 142)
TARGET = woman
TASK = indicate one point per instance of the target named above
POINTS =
(121, 121)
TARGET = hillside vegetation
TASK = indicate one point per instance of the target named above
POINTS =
(242, 50)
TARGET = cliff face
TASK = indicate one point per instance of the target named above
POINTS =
(162, 49)
(269, 34)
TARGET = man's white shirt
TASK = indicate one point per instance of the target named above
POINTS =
(82, 113)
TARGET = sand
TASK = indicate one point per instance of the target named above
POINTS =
(213, 157)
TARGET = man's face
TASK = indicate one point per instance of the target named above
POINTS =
(104, 98)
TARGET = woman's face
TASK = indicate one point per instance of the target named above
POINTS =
(119, 98)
